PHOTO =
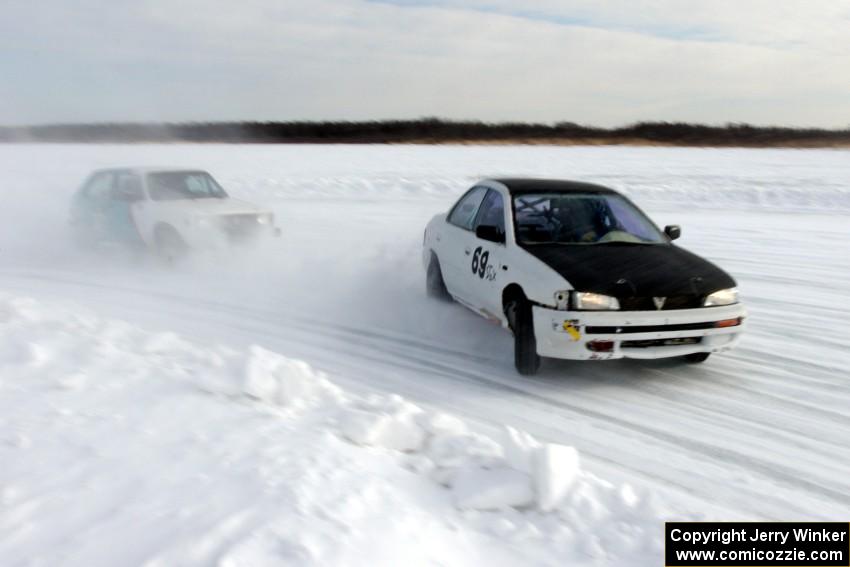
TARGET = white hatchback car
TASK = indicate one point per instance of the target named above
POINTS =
(168, 210)
(577, 271)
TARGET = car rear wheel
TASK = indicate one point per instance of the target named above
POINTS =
(696, 357)
(521, 320)
(434, 284)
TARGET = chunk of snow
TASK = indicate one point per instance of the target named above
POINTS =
(556, 468)
(260, 380)
(398, 432)
(491, 489)
(586, 505)
(441, 424)
(519, 448)
(464, 449)
(165, 343)
(628, 496)
(273, 378)
(362, 427)
(392, 405)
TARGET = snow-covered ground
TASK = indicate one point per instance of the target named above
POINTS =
(123, 445)
(126, 448)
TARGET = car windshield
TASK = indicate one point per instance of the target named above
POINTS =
(581, 218)
(174, 185)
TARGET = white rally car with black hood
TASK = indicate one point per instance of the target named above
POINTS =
(577, 271)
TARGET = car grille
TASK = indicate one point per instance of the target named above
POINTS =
(661, 342)
(672, 302)
(600, 330)
(238, 227)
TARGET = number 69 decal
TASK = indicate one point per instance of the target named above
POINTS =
(479, 262)
(480, 266)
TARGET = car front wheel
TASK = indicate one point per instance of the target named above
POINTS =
(170, 247)
(521, 319)
(435, 286)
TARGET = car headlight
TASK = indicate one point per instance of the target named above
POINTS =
(722, 297)
(588, 301)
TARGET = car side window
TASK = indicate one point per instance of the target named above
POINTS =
(128, 187)
(197, 185)
(99, 187)
(492, 211)
(463, 213)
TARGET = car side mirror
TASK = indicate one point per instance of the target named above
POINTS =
(490, 233)
(673, 231)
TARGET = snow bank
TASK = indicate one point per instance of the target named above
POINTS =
(482, 473)
(125, 446)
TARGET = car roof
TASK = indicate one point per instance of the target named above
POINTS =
(529, 185)
(147, 169)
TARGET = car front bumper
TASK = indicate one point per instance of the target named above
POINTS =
(603, 335)
(213, 236)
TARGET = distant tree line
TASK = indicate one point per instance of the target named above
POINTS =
(427, 130)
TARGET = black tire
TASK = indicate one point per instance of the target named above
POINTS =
(696, 357)
(521, 319)
(170, 248)
(434, 285)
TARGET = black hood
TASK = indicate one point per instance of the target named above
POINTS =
(634, 271)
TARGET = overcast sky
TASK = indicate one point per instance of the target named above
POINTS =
(588, 61)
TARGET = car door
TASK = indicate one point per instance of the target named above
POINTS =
(89, 210)
(455, 249)
(485, 281)
(118, 214)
